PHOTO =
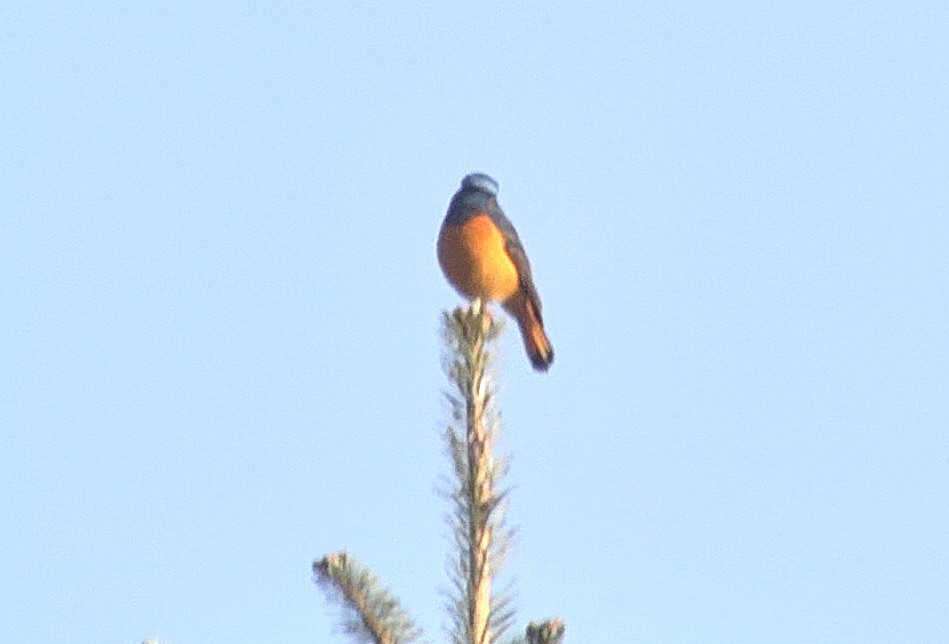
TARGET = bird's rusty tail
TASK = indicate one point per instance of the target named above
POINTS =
(536, 342)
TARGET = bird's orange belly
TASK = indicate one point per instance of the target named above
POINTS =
(474, 260)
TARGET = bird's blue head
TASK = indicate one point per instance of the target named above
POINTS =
(480, 182)
(478, 193)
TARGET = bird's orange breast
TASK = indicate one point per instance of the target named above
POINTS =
(475, 261)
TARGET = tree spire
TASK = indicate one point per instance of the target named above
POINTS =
(477, 519)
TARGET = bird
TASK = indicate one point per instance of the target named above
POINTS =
(482, 257)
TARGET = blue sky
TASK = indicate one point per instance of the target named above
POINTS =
(219, 305)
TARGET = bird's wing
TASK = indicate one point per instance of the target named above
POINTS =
(515, 250)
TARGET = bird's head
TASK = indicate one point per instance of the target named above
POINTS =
(480, 182)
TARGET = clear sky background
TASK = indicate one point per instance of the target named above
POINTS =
(220, 304)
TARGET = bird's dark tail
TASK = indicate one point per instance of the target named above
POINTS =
(536, 342)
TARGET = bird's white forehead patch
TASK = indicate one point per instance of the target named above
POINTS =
(482, 182)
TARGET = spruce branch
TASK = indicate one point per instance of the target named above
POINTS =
(370, 612)
(477, 519)
(478, 614)
(547, 632)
